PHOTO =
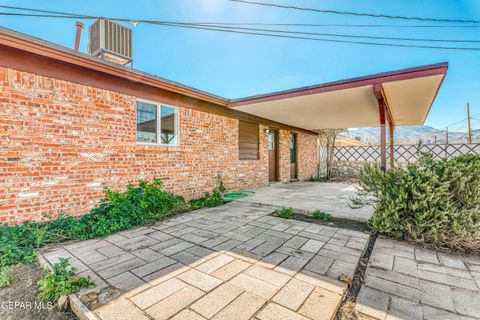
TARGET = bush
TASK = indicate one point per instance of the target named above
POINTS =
(210, 200)
(6, 276)
(432, 203)
(60, 283)
(285, 213)
(321, 215)
(119, 211)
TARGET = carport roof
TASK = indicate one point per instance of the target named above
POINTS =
(409, 94)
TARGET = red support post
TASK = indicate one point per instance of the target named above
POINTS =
(382, 106)
(383, 135)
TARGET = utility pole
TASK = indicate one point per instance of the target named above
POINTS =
(469, 127)
(435, 139)
(446, 136)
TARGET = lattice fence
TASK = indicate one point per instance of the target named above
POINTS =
(404, 153)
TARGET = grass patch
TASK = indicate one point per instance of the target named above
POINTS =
(60, 282)
(322, 215)
(285, 213)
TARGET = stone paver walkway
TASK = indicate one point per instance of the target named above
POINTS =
(332, 197)
(229, 262)
(406, 282)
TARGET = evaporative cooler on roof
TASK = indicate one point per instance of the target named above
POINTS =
(110, 41)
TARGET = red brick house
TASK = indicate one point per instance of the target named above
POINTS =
(72, 125)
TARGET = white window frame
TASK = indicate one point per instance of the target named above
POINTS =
(159, 129)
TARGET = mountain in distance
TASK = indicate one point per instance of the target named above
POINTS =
(412, 135)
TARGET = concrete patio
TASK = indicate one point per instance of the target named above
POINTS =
(229, 262)
(331, 197)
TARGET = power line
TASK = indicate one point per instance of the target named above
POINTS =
(340, 35)
(258, 32)
(64, 16)
(372, 15)
(320, 39)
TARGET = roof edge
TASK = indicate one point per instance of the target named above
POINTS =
(372, 79)
(49, 49)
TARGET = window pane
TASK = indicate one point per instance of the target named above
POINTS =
(293, 148)
(168, 125)
(271, 141)
(146, 122)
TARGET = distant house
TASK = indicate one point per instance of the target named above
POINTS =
(73, 125)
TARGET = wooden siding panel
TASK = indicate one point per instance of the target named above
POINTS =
(248, 139)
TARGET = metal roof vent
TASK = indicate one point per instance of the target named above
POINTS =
(110, 41)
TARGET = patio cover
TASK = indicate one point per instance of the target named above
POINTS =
(352, 103)
(397, 98)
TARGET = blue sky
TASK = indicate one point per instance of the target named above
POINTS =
(233, 65)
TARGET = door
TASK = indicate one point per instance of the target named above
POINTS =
(272, 155)
(293, 156)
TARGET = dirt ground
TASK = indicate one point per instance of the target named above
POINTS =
(19, 301)
(334, 222)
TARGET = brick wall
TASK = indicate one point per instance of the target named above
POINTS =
(62, 144)
(308, 160)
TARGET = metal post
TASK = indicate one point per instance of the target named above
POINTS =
(469, 127)
(391, 128)
(383, 135)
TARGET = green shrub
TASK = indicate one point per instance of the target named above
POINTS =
(214, 199)
(433, 203)
(6, 276)
(119, 211)
(285, 213)
(60, 283)
(321, 215)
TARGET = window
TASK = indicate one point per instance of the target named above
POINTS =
(293, 148)
(157, 124)
(247, 140)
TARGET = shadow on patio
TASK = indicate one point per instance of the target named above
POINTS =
(229, 262)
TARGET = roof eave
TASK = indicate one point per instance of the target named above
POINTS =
(379, 78)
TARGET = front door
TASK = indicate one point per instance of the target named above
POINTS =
(293, 156)
(272, 155)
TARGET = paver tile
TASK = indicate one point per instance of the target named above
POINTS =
(272, 260)
(242, 308)
(153, 266)
(312, 246)
(216, 300)
(121, 268)
(121, 309)
(174, 303)
(291, 265)
(214, 263)
(273, 311)
(188, 315)
(373, 303)
(147, 254)
(293, 294)
(230, 270)
(319, 264)
(321, 304)
(273, 277)
(199, 279)
(255, 286)
(157, 293)
(126, 281)
(404, 309)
